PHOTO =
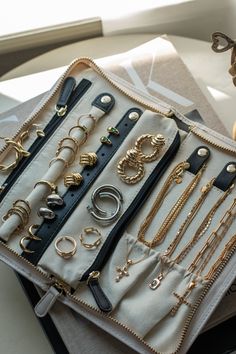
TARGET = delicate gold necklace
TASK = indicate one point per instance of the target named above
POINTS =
(203, 227)
(178, 206)
(203, 257)
(176, 176)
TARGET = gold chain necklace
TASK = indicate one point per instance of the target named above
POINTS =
(176, 176)
(203, 227)
(175, 209)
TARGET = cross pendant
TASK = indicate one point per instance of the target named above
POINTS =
(182, 300)
(122, 271)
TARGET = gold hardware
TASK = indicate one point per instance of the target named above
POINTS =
(31, 234)
(22, 244)
(88, 159)
(135, 157)
(134, 116)
(73, 179)
(87, 231)
(93, 275)
(105, 99)
(61, 110)
(40, 133)
(62, 253)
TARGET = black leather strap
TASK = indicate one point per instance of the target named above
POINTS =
(101, 299)
(66, 91)
(105, 106)
(49, 229)
(197, 159)
(226, 178)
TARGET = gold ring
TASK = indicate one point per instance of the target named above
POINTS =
(88, 116)
(51, 185)
(66, 254)
(60, 159)
(71, 149)
(25, 206)
(84, 130)
(156, 141)
(70, 138)
(91, 230)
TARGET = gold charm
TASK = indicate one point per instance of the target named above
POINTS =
(113, 131)
(123, 271)
(105, 140)
(73, 179)
(88, 159)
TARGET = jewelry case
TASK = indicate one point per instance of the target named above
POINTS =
(121, 208)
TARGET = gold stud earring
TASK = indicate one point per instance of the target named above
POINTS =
(88, 159)
(113, 131)
(105, 140)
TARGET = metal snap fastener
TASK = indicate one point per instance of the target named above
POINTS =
(202, 152)
(106, 99)
(134, 116)
(231, 168)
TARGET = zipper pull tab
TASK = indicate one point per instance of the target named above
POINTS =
(66, 91)
(101, 299)
(47, 301)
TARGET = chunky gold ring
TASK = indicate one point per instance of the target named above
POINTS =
(31, 234)
(60, 159)
(157, 142)
(127, 162)
(23, 212)
(87, 231)
(66, 254)
(51, 185)
(14, 211)
(22, 244)
(84, 130)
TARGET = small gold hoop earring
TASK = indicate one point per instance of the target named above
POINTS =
(22, 244)
(87, 231)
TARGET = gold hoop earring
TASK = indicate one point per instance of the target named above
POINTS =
(130, 161)
(87, 231)
(156, 141)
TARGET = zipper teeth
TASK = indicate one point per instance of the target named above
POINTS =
(218, 146)
(92, 64)
(94, 309)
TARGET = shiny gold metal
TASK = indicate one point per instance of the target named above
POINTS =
(83, 129)
(87, 231)
(49, 184)
(136, 165)
(156, 141)
(135, 157)
(68, 253)
(113, 131)
(88, 159)
(61, 110)
(31, 233)
(105, 140)
(23, 246)
(73, 179)
(59, 159)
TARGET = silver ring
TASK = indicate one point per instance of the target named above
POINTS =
(99, 214)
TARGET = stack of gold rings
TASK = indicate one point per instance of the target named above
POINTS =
(22, 209)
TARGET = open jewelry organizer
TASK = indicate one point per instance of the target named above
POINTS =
(121, 208)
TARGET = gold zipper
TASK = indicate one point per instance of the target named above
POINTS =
(89, 62)
(62, 286)
(196, 132)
